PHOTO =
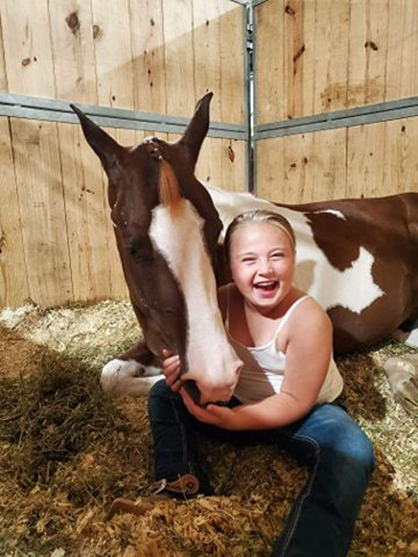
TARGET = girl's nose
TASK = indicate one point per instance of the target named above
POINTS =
(264, 266)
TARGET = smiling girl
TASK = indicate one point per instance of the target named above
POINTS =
(289, 387)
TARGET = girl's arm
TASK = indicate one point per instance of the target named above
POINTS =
(308, 354)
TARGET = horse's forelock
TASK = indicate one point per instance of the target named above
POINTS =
(169, 187)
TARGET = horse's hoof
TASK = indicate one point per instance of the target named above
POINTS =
(402, 374)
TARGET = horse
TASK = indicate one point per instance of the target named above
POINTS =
(356, 257)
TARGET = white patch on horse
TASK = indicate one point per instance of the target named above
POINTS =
(337, 214)
(212, 363)
(353, 288)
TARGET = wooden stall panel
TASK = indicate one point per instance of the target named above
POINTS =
(382, 158)
(156, 56)
(222, 164)
(42, 210)
(366, 163)
(331, 45)
(368, 52)
(180, 79)
(317, 56)
(303, 168)
(85, 207)
(14, 289)
(148, 58)
(207, 51)
(232, 91)
(27, 47)
(73, 50)
(270, 76)
(3, 77)
(113, 53)
(401, 166)
(402, 63)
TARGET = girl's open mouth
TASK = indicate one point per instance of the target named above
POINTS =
(266, 288)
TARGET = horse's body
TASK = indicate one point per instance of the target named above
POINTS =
(358, 258)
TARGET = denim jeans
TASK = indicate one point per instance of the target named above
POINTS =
(327, 440)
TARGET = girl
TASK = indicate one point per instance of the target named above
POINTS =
(289, 386)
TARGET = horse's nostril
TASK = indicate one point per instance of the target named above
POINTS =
(193, 390)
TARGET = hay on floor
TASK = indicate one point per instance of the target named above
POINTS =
(67, 451)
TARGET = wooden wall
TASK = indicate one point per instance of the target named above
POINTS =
(317, 56)
(56, 242)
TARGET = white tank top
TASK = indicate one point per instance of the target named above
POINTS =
(264, 366)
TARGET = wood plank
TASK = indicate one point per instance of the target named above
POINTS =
(401, 169)
(27, 47)
(329, 164)
(298, 170)
(233, 165)
(368, 52)
(270, 169)
(148, 63)
(3, 75)
(178, 48)
(42, 209)
(232, 62)
(86, 213)
(332, 22)
(14, 289)
(306, 63)
(113, 53)
(402, 63)
(207, 58)
(293, 57)
(72, 43)
(270, 62)
(366, 156)
(209, 164)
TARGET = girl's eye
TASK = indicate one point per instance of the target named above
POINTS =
(248, 259)
(276, 256)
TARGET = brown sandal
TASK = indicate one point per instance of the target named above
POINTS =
(185, 487)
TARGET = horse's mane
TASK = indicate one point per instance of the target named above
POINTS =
(169, 187)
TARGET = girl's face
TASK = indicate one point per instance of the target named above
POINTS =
(262, 263)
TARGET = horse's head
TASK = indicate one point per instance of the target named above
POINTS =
(167, 229)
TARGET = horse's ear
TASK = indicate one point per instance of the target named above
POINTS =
(105, 147)
(198, 127)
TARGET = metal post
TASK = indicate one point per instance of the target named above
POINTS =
(249, 95)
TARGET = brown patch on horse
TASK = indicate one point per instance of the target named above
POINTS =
(169, 187)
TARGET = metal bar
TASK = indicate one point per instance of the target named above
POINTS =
(242, 2)
(249, 96)
(369, 114)
(256, 3)
(254, 101)
(36, 108)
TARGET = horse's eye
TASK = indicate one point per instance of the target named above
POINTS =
(140, 251)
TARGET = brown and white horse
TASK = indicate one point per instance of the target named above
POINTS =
(358, 258)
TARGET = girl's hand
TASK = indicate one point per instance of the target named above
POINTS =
(171, 370)
(219, 416)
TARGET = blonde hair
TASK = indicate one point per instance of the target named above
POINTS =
(259, 217)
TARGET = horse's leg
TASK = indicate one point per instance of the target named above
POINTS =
(133, 373)
(402, 374)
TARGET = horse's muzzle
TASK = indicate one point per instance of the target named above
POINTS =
(193, 390)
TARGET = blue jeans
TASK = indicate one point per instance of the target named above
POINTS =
(327, 440)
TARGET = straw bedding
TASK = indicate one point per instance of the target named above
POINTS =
(66, 451)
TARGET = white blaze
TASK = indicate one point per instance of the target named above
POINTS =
(353, 288)
(212, 363)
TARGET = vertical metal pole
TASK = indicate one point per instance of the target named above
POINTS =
(249, 95)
